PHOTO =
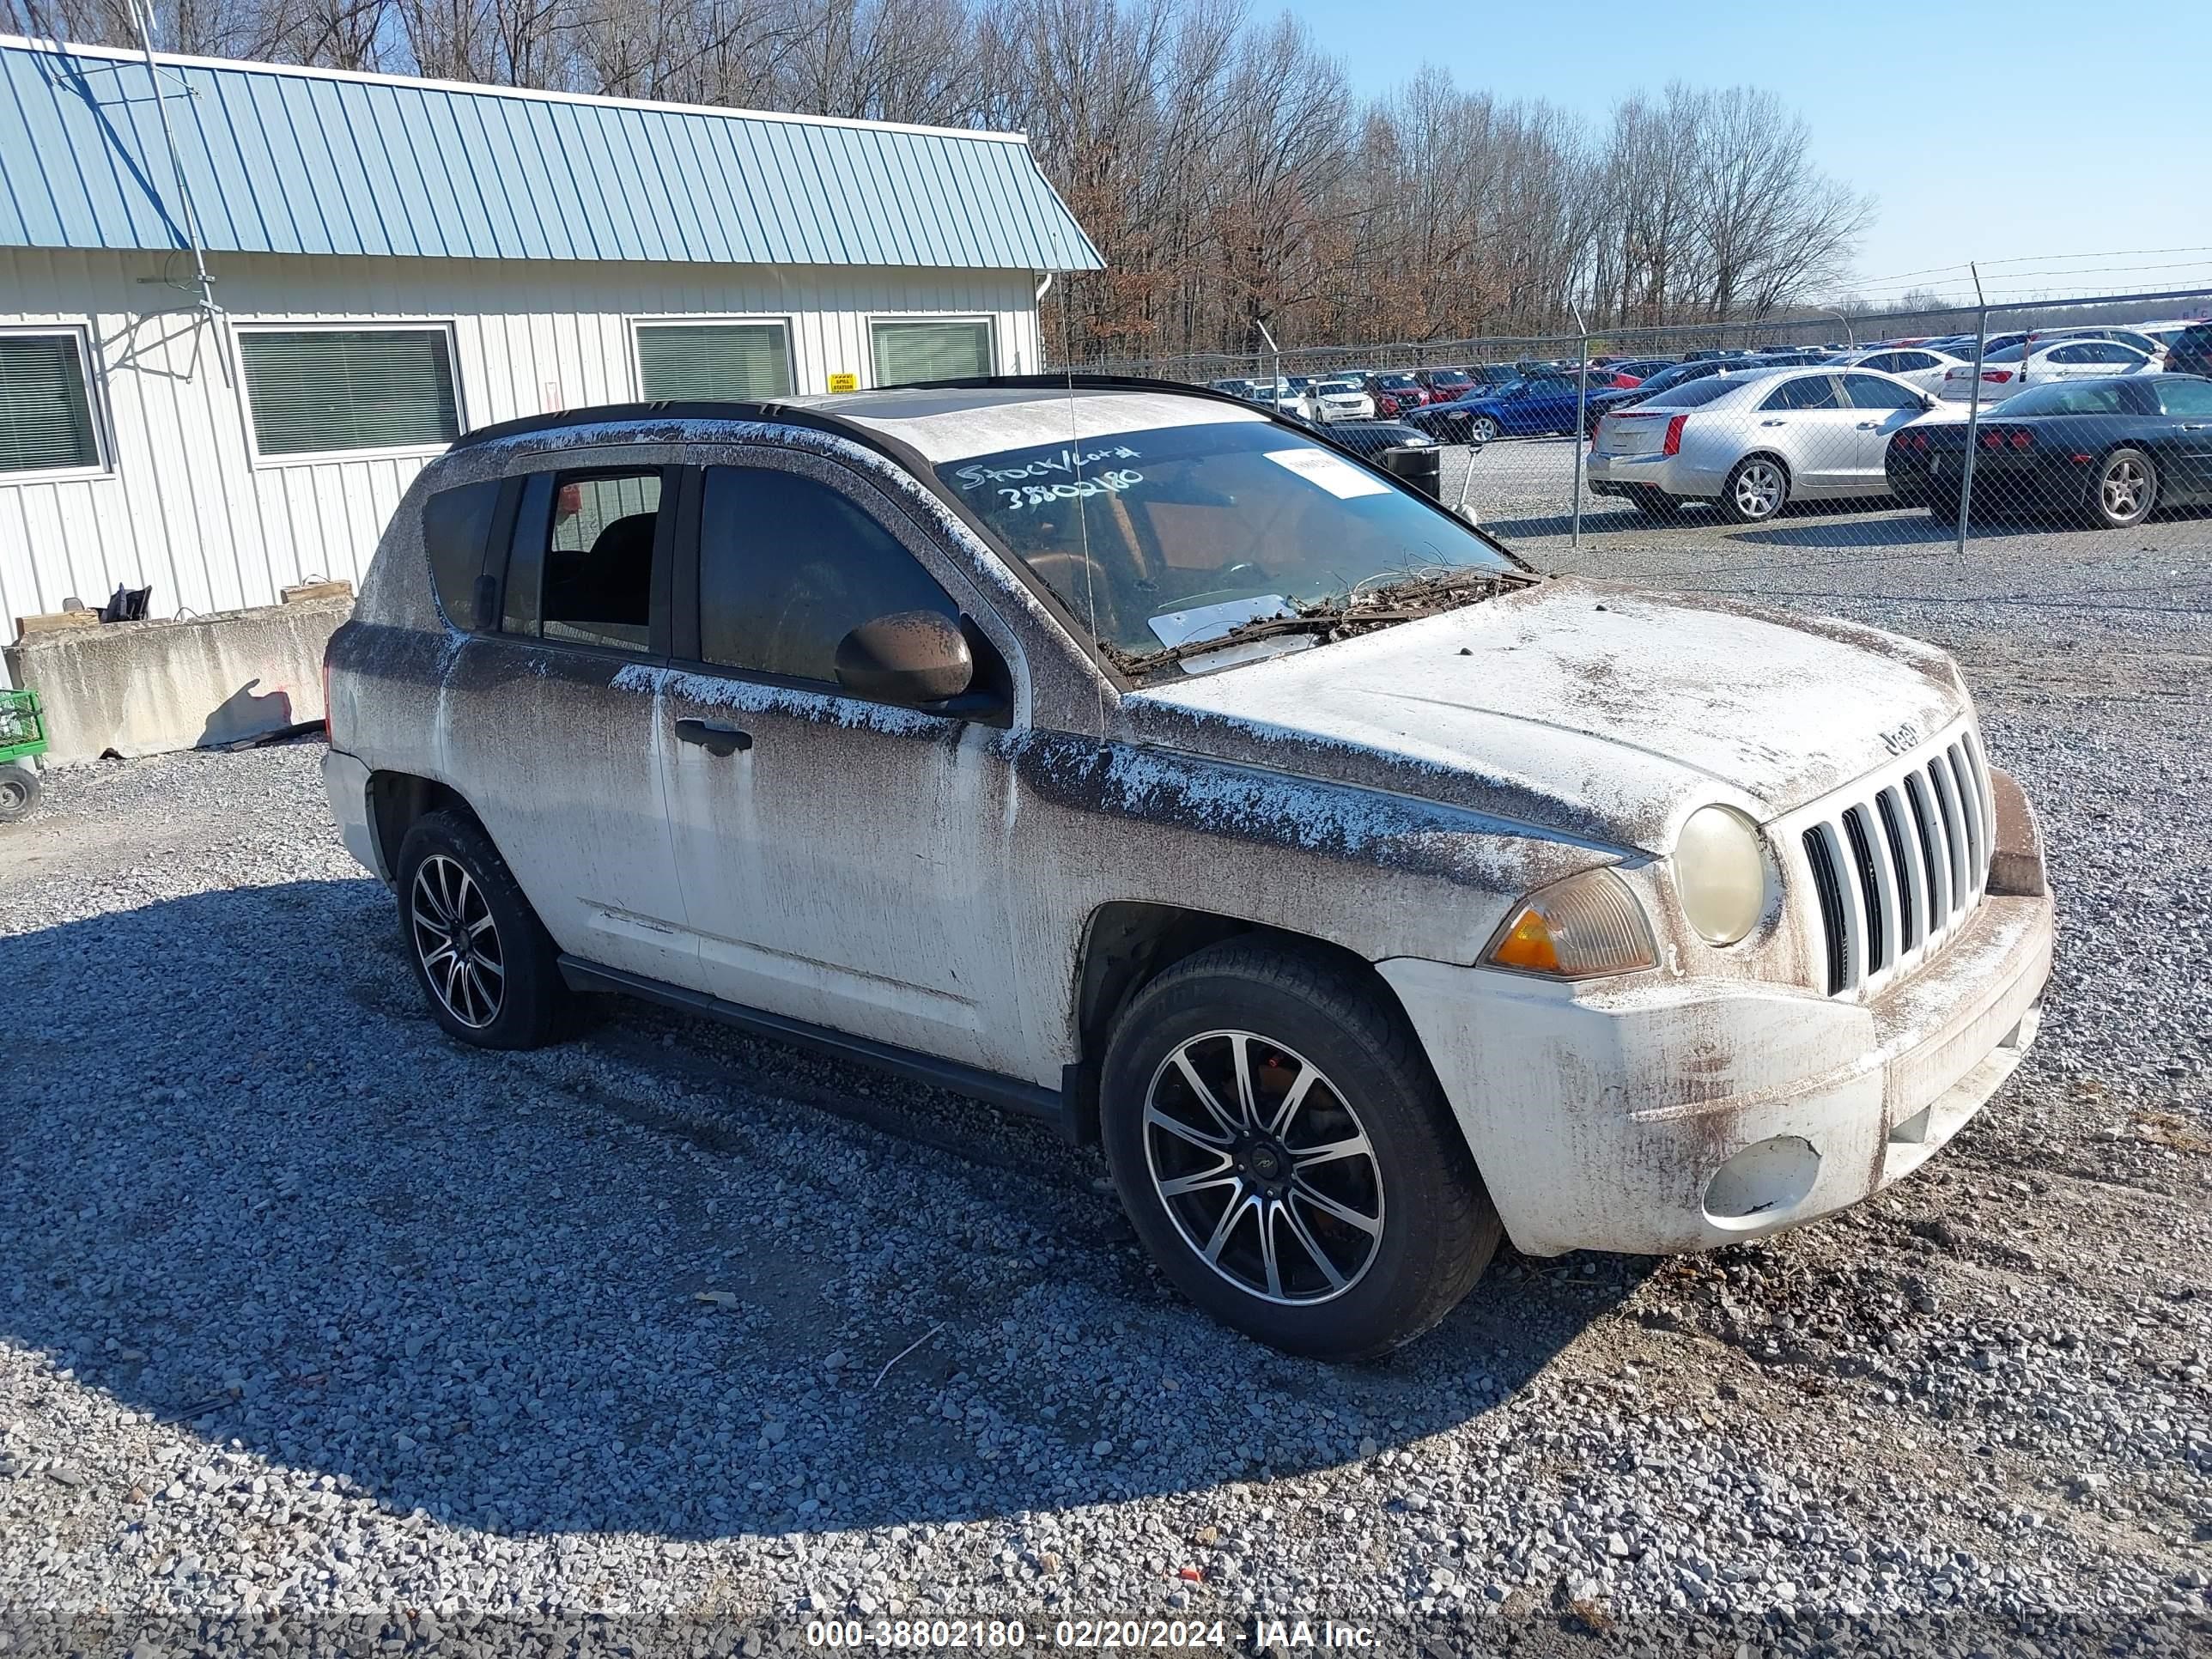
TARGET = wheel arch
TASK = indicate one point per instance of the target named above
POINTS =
(1127, 945)
(397, 800)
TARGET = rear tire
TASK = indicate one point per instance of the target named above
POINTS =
(1481, 430)
(2124, 490)
(1757, 489)
(1341, 1257)
(18, 791)
(485, 961)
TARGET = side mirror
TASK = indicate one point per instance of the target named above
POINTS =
(909, 657)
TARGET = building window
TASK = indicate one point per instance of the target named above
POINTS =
(935, 350)
(326, 391)
(710, 362)
(45, 405)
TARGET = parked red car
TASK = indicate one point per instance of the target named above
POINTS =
(1395, 394)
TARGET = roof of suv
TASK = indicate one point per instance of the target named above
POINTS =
(942, 421)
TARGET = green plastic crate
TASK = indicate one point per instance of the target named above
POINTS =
(22, 728)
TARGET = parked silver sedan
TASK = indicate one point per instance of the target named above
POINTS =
(1754, 443)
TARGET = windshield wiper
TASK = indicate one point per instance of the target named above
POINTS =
(1362, 612)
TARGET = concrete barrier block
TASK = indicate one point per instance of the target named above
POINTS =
(148, 688)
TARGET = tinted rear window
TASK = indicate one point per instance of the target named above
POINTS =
(456, 526)
(1694, 392)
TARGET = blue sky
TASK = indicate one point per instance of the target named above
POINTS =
(2021, 131)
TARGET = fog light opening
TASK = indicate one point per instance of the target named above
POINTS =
(1761, 1182)
(1913, 1131)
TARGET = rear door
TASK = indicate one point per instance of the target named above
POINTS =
(1807, 422)
(549, 712)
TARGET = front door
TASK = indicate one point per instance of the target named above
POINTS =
(842, 861)
(549, 717)
(1880, 407)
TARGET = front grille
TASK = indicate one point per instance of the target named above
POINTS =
(1896, 871)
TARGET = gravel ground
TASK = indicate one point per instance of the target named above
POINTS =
(317, 1329)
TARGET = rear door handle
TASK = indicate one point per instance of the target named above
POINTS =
(1774, 423)
(715, 737)
(1870, 426)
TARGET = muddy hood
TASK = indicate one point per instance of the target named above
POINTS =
(1601, 713)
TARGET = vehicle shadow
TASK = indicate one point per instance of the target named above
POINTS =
(264, 1199)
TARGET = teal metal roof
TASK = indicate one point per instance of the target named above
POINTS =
(292, 161)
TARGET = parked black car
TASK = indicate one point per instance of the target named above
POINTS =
(2191, 351)
(2112, 451)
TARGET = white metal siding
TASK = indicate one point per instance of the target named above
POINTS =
(185, 507)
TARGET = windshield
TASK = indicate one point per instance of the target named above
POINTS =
(1396, 382)
(1341, 386)
(1136, 530)
(2011, 354)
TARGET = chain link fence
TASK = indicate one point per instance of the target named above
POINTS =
(2090, 414)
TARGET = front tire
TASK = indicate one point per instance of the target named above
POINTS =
(2124, 490)
(1284, 1151)
(1758, 488)
(1481, 430)
(485, 961)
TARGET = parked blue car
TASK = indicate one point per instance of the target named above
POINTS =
(1524, 409)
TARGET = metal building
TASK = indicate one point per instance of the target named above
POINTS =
(241, 303)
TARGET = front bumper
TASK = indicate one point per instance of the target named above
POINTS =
(1673, 1117)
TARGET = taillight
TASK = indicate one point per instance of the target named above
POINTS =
(1999, 374)
(1993, 439)
(1674, 444)
(2023, 439)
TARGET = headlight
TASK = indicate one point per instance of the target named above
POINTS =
(1578, 928)
(1720, 870)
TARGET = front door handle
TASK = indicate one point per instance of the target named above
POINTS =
(1774, 423)
(715, 737)
(1870, 426)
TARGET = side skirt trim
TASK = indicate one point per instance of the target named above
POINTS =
(1010, 1093)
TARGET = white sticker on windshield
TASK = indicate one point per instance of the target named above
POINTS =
(1332, 473)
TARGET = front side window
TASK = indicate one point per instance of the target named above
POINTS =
(706, 362)
(907, 352)
(1132, 530)
(45, 405)
(1807, 392)
(328, 391)
(582, 566)
(789, 565)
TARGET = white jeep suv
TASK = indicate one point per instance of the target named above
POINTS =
(1129, 754)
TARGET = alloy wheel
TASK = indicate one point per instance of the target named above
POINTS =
(457, 942)
(1483, 429)
(2124, 489)
(1760, 490)
(1264, 1167)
